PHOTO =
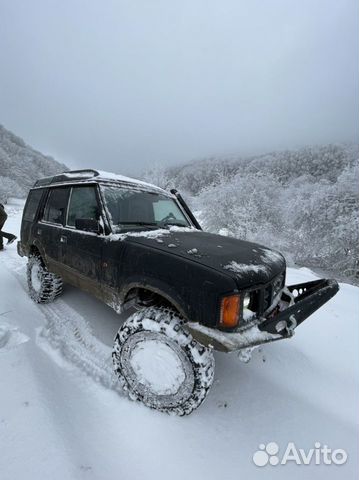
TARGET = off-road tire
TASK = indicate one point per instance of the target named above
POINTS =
(48, 285)
(164, 325)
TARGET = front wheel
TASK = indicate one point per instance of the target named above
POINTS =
(159, 363)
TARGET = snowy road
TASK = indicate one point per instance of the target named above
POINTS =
(62, 416)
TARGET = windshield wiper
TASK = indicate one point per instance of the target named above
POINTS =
(173, 224)
(150, 224)
(153, 224)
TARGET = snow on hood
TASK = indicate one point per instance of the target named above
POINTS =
(242, 269)
(248, 263)
(267, 256)
(270, 256)
(152, 234)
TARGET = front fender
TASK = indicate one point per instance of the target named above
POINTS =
(156, 286)
(194, 289)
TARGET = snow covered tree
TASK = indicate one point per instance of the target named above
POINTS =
(9, 188)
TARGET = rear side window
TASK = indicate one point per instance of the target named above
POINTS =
(56, 204)
(32, 204)
(83, 204)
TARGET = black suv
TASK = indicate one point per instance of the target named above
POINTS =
(132, 244)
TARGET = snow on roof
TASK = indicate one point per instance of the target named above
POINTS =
(89, 175)
(78, 174)
(122, 178)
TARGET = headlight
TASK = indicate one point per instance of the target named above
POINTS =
(246, 300)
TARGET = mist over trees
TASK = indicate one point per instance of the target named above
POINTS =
(21, 165)
(303, 202)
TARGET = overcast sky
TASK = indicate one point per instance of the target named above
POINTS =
(122, 84)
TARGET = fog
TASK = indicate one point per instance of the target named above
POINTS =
(120, 84)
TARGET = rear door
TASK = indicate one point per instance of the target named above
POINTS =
(29, 219)
(82, 250)
(49, 228)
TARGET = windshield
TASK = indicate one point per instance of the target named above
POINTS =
(133, 208)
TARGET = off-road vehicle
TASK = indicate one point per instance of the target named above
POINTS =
(132, 244)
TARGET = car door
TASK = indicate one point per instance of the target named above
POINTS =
(48, 230)
(82, 250)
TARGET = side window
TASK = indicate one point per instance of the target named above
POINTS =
(83, 204)
(56, 204)
(32, 204)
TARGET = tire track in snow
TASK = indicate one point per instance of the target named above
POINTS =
(70, 334)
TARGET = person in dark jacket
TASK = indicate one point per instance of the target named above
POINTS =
(10, 237)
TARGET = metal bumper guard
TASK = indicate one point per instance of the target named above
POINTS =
(289, 309)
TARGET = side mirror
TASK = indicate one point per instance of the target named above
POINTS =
(87, 224)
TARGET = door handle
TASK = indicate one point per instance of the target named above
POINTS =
(63, 239)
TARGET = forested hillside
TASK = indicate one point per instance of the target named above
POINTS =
(302, 202)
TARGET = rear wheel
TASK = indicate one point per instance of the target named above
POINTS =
(43, 285)
(159, 363)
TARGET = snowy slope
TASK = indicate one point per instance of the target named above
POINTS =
(62, 417)
(22, 164)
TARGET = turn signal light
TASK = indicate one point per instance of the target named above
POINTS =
(230, 307)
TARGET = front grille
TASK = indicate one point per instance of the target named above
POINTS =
(262, 298)
(271, 291)
(278, 284)
(267, 297)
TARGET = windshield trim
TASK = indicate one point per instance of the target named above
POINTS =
(117, 228)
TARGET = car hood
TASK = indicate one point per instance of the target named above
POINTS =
(248, 263)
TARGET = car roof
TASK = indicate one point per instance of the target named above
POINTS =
(98, 176)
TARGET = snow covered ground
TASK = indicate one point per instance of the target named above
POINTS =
(62, 416)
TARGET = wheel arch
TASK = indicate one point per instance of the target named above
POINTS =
(36, 249)
(160, 295)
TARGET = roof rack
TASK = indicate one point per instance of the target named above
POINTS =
(67, 176)
(90, 175)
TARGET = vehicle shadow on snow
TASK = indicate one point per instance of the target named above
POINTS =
(104, 321)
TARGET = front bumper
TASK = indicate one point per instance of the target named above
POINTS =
(289, 309)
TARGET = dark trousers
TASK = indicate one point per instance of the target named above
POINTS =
(4, 234)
